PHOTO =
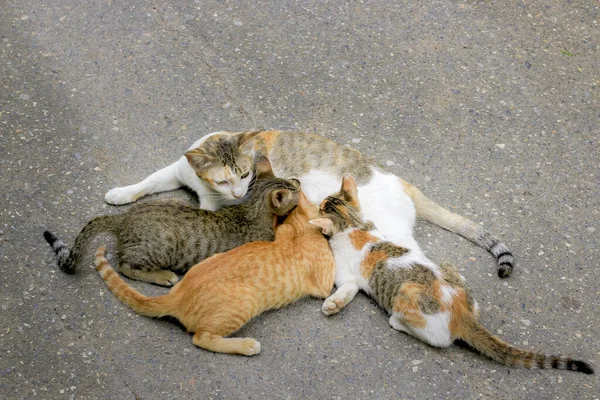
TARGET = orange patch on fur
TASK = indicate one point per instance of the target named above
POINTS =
(407, 304)
(265, 140)
(458, 310)
(369, 263)
(360, 238)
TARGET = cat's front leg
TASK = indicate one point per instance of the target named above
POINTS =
(161, 181)
(344, 295)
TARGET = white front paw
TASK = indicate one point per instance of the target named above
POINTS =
(332, 305)
(120, 195)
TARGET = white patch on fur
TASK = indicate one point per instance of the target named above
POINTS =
(436, 331)
(347, 261)
(383, 201)
(318, 184)
(414, 257)
(448, 293)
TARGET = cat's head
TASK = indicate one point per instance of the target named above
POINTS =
(302, 214)
(224, 162)
(279, 195)
(341, 211)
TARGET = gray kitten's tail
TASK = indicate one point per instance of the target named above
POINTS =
(68, 260)
(430, 211)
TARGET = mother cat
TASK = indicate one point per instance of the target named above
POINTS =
(219, 168)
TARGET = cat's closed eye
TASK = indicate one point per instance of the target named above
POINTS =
(245, 175)
(221, 183)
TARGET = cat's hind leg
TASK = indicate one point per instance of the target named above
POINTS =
(162, 277)
(395, 322)
(161, 181)
(219, 344)
(342, 296)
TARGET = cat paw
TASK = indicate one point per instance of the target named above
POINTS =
(332, 306)
(167, 279)
(119, 196)
(250, 347)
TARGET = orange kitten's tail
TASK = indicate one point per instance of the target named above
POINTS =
(148, 306)
(486, 343)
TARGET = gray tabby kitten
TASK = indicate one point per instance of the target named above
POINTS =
(156, 238)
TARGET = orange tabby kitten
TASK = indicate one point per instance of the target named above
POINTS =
(220, 294)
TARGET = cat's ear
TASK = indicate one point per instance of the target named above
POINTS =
(264, 169)
(198, 159)
(245, 140)
(325, 224)
(306, 207)
(281, 200)
(349, 190)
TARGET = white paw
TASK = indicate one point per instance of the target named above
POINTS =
(332, 305)
(251, 347)
(120, 195)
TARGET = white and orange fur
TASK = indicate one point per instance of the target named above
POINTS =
(319, 163)
(430, 302)
(222, 293)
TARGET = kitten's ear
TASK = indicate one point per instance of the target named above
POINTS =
(198, 159)
(325, 224)
(280, 199)
(264, 169)
(349, 190)
(245, 140)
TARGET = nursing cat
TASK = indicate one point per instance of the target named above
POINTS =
(222, 293)
(217, 168)
(156, 238)
(427, 301)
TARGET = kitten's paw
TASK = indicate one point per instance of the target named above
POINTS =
(250, 347)
(120, 195)
(332, 305)
(166, 278)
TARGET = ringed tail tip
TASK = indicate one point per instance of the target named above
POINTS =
(505, 270)
(50, 237)
(581, 366)
(504, 258)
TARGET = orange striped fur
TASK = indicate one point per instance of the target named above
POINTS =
(222, 293)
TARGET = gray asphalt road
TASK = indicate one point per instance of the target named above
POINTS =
(491, 108)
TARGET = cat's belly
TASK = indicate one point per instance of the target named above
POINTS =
(382, 200)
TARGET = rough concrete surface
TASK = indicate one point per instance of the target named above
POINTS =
(492, 108)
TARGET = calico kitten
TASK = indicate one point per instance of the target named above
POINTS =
(215, 167)
(429, 302)
(222, 293)
(154, 239)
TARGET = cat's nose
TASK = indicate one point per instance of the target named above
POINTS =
(237, 193)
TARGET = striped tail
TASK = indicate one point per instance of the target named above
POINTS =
(68, 260)
(61, 250)
(477, 336)
(432, 212)
(148, 306)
